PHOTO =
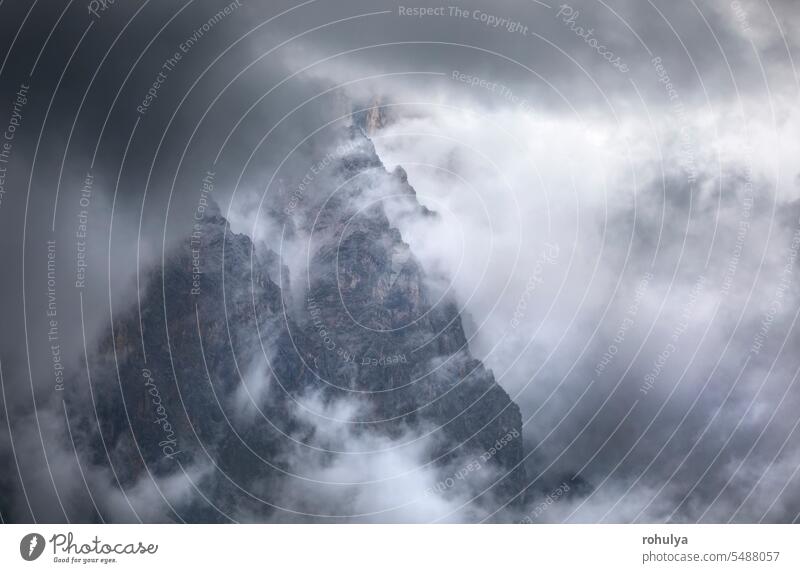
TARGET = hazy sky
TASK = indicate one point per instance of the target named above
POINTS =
(617, 184)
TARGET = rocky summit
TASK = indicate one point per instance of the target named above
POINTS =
(233, 391)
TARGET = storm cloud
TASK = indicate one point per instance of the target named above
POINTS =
(615, 189)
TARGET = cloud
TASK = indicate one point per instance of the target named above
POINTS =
(559, 183)
(346, 472)
(621, 204)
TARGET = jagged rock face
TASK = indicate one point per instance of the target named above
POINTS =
(373, 118)
(226, 361)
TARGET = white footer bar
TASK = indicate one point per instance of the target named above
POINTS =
(401, 548)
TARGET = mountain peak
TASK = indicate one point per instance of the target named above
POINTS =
(233, 361)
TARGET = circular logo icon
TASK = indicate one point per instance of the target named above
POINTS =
(31, 546)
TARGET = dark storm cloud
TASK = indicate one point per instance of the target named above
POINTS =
(106, 75)
(708, 49)
(691, 400)
(713, 55)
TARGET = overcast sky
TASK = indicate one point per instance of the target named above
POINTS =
(617, 184)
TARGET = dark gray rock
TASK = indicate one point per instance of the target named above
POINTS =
(370, 329)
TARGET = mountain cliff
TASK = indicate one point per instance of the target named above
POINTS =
(263, 393)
